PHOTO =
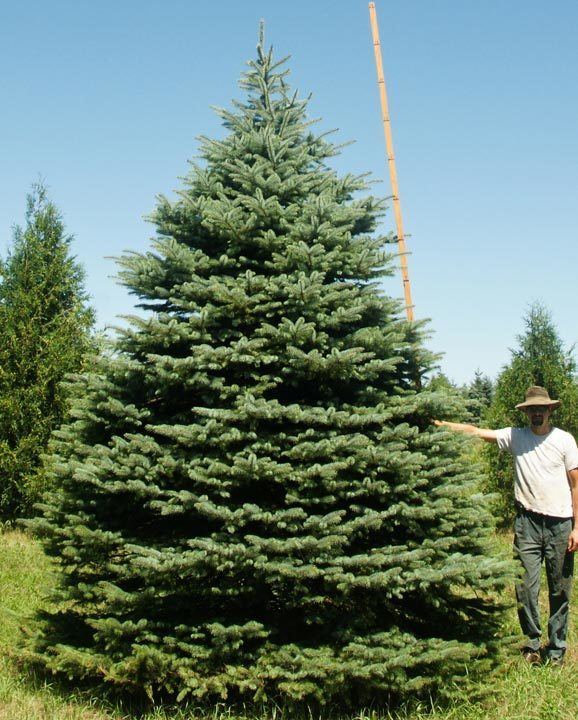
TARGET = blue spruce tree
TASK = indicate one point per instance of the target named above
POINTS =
(252, 500)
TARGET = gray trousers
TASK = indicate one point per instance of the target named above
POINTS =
(540, 538)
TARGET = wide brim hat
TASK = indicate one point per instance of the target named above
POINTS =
(537, 395)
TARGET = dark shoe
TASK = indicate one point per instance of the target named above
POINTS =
(532, 657)
(554, 660)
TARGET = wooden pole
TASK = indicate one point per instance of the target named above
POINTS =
(391, 162)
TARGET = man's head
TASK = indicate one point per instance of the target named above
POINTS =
(538, 407)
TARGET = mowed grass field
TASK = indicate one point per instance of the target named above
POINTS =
(514, 692)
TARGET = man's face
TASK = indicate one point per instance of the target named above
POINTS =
(538, 415)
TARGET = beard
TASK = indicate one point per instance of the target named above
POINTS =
(537, 420)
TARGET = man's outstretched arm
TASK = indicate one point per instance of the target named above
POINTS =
(483, 433)
(573, 539)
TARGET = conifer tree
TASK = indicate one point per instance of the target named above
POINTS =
(540, 359)
(44, 325)
(479, 394)
(252, 501)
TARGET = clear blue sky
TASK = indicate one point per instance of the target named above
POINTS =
(104, 101)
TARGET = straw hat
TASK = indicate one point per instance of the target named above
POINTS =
(536, 395)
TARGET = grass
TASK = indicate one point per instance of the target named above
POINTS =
(25, 578)
(514, 692)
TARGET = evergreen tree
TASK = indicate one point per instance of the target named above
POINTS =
(440, 381)
(479, 394)
(44, 325)
(251, 499)
(540, 359)
(470, 400)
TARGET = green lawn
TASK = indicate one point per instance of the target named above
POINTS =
(515, 692)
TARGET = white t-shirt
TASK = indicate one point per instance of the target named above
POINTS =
(541, 463)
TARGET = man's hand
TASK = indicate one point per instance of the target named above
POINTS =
(483, 433)
(573, 541)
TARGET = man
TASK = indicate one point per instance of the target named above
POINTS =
(546, 499)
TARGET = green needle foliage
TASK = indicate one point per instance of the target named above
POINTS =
(44, 333)
(253, 503)
(540, 359)
(479, 393)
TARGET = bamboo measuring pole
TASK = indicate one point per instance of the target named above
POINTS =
(391, 162)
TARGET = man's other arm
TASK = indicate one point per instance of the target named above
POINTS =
(573, 539)
(483, 433)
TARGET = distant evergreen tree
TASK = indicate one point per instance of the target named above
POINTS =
(251, 500)
(479, 394)
(440, 381)
(467, 406)
(540, 359)
(44, 326)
